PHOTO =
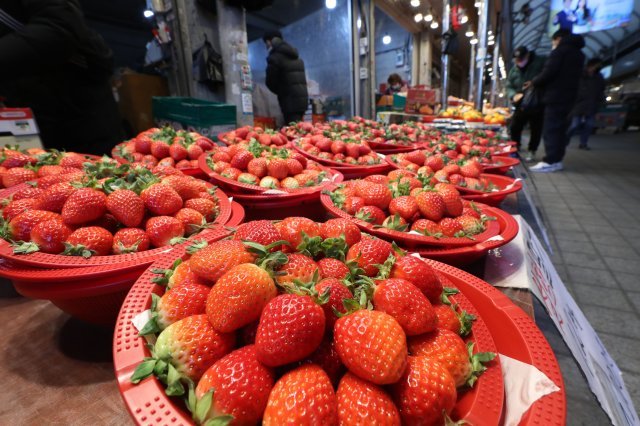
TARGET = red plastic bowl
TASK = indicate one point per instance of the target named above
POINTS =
(348, 170)
(506, 186)
(189, 171)
(506, 151)
(149, 405)
(500, 165)
(279, 207)
(412, 241)
(390, 148)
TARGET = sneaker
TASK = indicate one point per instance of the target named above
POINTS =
(584, 147)
(530, 156)
(543, 167)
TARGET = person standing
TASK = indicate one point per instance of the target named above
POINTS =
(527, 66)
(566, 17)
(51, 62)
(286, 77)
(590, 98)
(558, 83)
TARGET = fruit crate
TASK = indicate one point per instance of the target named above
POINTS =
(205, 117)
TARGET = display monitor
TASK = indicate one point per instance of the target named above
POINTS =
(583, 16)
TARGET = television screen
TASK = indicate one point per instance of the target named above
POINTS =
(606, 71)
(583, 16)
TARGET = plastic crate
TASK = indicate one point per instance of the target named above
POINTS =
(205, 117)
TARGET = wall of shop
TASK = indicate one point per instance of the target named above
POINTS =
(323, 40)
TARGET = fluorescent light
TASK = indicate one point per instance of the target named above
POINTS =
(490, 32)
(415, 3)
(331, 4)
(469, 33)
(464, 19)
(477, 4)
(608, 98)
(473, 41)
(359, 23)
(148, 13)
(491, 42)
(386, 39)
(428, 17)
(418, 17)
(434, 25)
(491, 36)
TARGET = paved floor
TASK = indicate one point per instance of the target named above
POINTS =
(592, 212)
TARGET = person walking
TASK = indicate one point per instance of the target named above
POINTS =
(527, 64)
(286, 77)
(51, 62)
(558, 83)
(590, 98)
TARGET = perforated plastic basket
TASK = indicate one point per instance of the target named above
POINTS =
(390, 148)
(500, 165)
(504, 184)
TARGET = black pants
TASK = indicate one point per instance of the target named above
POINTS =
(290, 117)
(556, 124)
(519, 120)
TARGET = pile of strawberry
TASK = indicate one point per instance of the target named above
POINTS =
(304, 323)
(165, 147)
(244, 135)
(404, 134)
(471, 143)
(401, 201)
(17, 166)
(265, 166)
(106, 209)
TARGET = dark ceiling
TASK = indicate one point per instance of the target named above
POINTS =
(278, 15)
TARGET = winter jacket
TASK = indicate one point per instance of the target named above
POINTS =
(590, 94)
(517, 76)
(560, 76)
(58, 67)
(286, 77)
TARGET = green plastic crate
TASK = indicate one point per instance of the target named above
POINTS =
(205, 117)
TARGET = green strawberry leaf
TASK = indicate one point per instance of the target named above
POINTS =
(22, 247)
(203, 405)
(143, 370)
(477, 363)
(174, 385)
(466, 322)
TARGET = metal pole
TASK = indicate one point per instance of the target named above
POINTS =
(494, 66)
(446, 20)
(472, 70)
(355, 44)
(482, 50)
(371, 32)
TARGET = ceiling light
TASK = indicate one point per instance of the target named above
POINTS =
(331, 4)
(491, 36)
(386, 39)
(489, 69)
(464, 19)
(359, 23)
(608, 98)
(428, 17)
(469, 33)
(501, 95)
(148, 13)
(473, 41)
(477, 4)
(491, 42)
(418, 17)
(490, 32)
(434, 25)
(415, 3)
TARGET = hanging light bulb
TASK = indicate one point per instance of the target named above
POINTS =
(464, 19)
(491, 42)
(415, 3)
(148, 13)
(434, 25)
(418, 17)
(469, 33)
(428, 17)
(473, 41)
(477, 4)
(331, 4)
(386, 39)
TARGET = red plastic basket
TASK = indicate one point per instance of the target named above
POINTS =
(149, 405)
(235, 186)
(506, 186)
(506, 151)
(412, 241)
(390, 148)
(50, 261)
(460, 256)
(259, 207)
(500, 165)
(237, 215)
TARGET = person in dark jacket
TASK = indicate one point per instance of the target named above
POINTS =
(286, 77)
(526, 66)
(590, 98)
(52, 63)
(558, 83)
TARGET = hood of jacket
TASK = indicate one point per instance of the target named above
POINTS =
(284, 48)
(574, 40)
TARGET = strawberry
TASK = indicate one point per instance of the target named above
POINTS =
(72, 160)
(372, 345)
(16, 176)
(258, 231)
(269, 182)
(470, 170)
(416, 157)
(337, 292)
(278, 168)
(164, 230)
(185, 186)
(240, 386)
(368, 253)
(361, 403)
(126, 206)
(405, 206)
(179, 302)
(161, 200)
(206, 207)
(216, 259)
(290, 183)
(291, 328)
(371, 214)
(241, 160)
(50, 235)
(192, 220)
(340, 228)
(49, 170)
(332, 268)
(299, 268)
(130, 240)
(375, 194)
(381, 179)
(239, 297)
(294, 166)
(160, 149)
(88, 241)
(431, 205)
(427, 227)
(187, 347)
(327, 358)
(84, 205)
(20, 226)
(353, 204)
(397, 174)
(450, 227)
(177, 152)
(425, 392)
(352, 150)
(418, 272)
(257, 167)
(54, 197)
(143, 144)
(338, 147)
(14, 208)
(451, 198)
(15, 159)
(447, 317)
(470, 225)
(292, 229)
(27, 192)
(181, 274)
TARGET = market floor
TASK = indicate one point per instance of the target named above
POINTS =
(591, 211)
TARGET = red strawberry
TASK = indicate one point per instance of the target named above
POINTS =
(258, 231)
(425, 393)
(239, 296)
(291, 328)
(185, 186)
(371, 214)
(161, 200)
(448, 349)
(231, 173)
(290, 183)
(427, 227)
(278, 168)
(327, 358)
(50, 235)
(470, 170)
(336, 292)
(205, 207)
(416, 157)
(294, 166)
(332, 268)
(49, 170)
(54, 197)
(164, 230)
(303, 396)
(468, 211)
(257, 167)
(361, 403)
(431, 205)
(338, 147)
(88, 241)
(470, 225)
(160, 149)
(375, 194)
(368, 253)
(269, 182)
(418, 272)
(143, 144)
(213, 261)
(406, 303)
(16, 176)
(447, 318)
(372, 345)
(336, 228)
(353, 204)
(241, 160)
(192, 220)
(130, 240)
(405, 206)
(435, 163)
(72, 160)
(21, 225)
(450, 227)
(298, 268)
(292, 228)
(352, 150)
(240, 387)
(15, 159)
(14, 208)
(177, 152)
(179, 302)
(83, 206)
(452, 200)
(126, 206)
(27, 192)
